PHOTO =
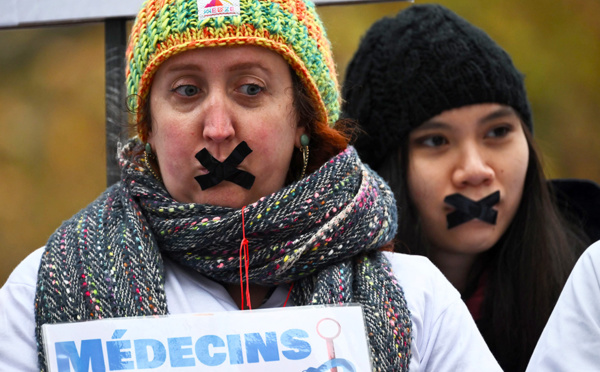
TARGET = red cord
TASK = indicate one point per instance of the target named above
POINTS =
(288, 296)
(244, 262)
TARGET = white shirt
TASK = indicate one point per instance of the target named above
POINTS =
(571, 339)
(445, 337)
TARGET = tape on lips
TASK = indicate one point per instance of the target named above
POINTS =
(467, 209)
(226, 170)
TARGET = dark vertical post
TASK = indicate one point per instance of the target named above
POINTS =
(116, 110)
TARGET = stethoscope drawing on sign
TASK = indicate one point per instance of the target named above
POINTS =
(329, 329)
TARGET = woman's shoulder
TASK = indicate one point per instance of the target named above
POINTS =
(410, 260)
(587, 269)
(445, 337)
(427, 291)
(415, 272)
(592, 253)
(18, 349)
(575, 317)
(26, 271)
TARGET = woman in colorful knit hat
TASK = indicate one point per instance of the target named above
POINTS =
(239, 191)
(447, 123)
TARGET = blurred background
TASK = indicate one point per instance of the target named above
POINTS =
(52, 141)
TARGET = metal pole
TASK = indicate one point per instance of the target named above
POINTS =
(115, 31)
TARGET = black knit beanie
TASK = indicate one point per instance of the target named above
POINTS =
(412, 67)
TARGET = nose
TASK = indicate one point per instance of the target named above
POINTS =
(218, 120)
(472, 168)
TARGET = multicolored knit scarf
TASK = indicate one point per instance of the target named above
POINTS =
(322, 233)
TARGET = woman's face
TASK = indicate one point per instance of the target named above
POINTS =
(473, 150)
(215, 98)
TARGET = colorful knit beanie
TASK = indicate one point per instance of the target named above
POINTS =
(291, 28)
(412, 67)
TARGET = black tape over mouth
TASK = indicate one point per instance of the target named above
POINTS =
(467, 209)
(226, 170)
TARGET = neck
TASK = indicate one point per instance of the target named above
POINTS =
(454, 266)
(257, 295)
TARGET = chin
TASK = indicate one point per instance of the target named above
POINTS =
(223, 195)
(475, 238)
(229, 201)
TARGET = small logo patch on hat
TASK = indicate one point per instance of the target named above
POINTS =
(217, 8)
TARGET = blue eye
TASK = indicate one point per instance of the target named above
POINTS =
(187, 90)
(251, 89)
(434, 141)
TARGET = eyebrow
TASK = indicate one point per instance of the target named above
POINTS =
(183, 67)
(248, 66)
(236, 67)
(502, 112)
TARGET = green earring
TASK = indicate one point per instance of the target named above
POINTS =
(148, 148)
(304, 141)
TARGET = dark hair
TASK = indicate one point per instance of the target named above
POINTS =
(526, 269)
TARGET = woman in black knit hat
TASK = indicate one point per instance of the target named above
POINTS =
(447, 123)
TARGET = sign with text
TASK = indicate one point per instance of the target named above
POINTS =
(296, 339)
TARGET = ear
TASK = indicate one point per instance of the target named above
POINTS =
(150, 137)
(300, 130)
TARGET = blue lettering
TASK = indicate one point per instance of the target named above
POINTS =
(234, 344)
(177, 353)
(289, 339)
(91, 353)
(210, 350)
(255, 344)
(159, 353)
(116, 357)
(118, 333)
(203, 353)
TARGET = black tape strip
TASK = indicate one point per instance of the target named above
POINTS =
(467, 209)
(225, 171)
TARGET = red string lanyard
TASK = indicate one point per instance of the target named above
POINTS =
(244, 263)
(244, 266)
(288, 295)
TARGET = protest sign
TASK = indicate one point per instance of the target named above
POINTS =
(309, 338)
